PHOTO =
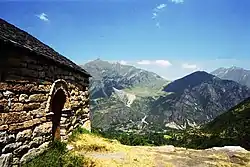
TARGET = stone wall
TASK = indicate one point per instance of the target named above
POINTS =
(28, 84)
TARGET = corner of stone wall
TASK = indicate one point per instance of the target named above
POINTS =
(23, 123)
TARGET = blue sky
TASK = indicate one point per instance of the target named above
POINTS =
(169, 37)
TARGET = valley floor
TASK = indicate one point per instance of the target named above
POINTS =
(101, 152)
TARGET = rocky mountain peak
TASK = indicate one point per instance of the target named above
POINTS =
(189, 81)
(234, 73)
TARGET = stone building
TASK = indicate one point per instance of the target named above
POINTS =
(43, 96)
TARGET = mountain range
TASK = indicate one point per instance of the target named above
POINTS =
(237, 74)
(126, 98)
(107, 76)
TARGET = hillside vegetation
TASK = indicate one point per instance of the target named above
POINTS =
(230, 128)
(92, 150)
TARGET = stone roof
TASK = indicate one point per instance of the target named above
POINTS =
(10, 33)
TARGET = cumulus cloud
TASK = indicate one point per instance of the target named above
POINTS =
(163, 63)
(154, 15)
(123, 62)
(161, 6)
(144, 62)
(189, 66)
(177, 1)
(158, 9)
(156, 12)
(43, 17)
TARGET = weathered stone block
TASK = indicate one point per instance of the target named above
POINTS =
(4, 86)
(24, 135)
(45, 88)
(71, 128)
(21, 150)
(74, 120)
(26, 124)
(36, 142)
(23, 97)
(4, 101)
(16, 107)
(22, 87)
(11, 147)
(6, 160)
(14, 99)
(6, 138)
(43, 129)
(75, 104)
(81, 111)
(87, 115)
(37, 98)
(14, 117)
(31, 106)
(74, 92)
(3, 127)
(63, 132)
(8, 93)
(38, 113)
(76, 125)
(63, 120)
(43, 105)
(15, 161)
(34, 152)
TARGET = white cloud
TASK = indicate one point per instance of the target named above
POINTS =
(158, 25)
(43, 17)
(156, 11)
(161, 6)
(189, 66)
(144, 62)
(177, 1)
(165, 63)
(123, 62)
(154, 15)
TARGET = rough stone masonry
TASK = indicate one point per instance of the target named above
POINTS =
(43, 96)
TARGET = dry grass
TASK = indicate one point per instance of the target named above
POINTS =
(101, 152)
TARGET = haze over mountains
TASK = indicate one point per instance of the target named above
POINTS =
(127, 98)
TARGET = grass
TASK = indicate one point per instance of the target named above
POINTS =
(93, 146)
(56, 156)
(92, 150)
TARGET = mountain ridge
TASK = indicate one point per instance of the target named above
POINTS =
(234, 73)
(107, 75)
(122, 103)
